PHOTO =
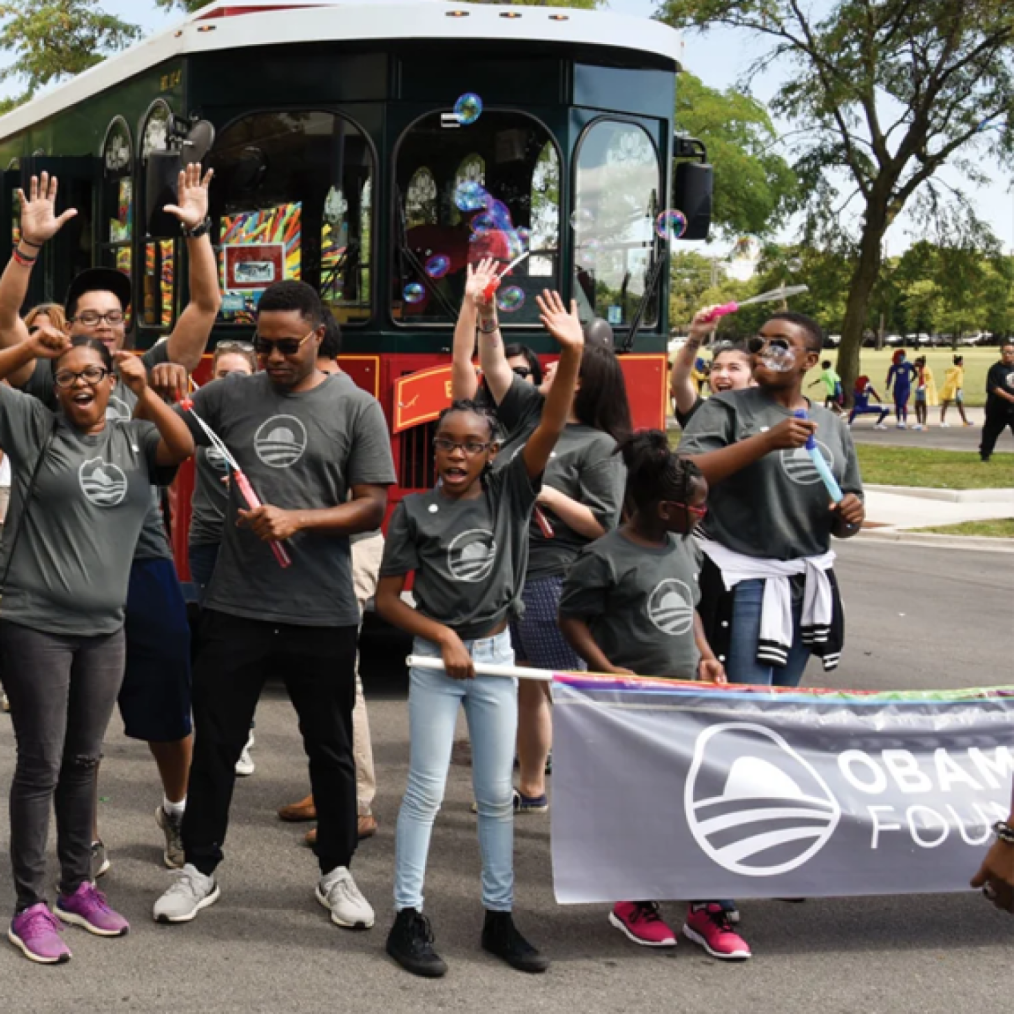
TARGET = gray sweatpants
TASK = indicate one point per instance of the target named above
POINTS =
(62, 691)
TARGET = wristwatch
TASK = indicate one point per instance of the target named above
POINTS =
(1004, 832)
(202, 229)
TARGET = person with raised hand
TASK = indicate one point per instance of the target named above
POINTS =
(466, 541)
(82, 484)
(155, 696)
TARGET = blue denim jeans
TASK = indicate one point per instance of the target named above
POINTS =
(491, 709)
(742, 665)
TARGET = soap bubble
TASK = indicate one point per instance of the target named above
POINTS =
(582, 220)
(501, 214)
(470, 196)
(483, 223)
(511, 299)
(795, 264)
(438, 265)
(414, 293)
(524, 237)
(671, 224)
(468, 109)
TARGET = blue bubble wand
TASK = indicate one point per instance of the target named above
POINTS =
(820, 463)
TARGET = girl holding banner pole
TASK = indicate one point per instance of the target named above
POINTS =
(628, 606)
(467, 543)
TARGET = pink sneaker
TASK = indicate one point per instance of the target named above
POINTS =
(642, 923)
(709, 926)
(87, 907)
(37, 934)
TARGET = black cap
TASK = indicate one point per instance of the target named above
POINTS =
(98, 280)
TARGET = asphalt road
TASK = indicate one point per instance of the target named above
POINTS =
(917, 618)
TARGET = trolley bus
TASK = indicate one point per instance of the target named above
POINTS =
(339, 159)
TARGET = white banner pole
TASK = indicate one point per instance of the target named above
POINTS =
(483, 669)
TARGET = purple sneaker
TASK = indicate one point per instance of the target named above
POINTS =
(37, 933)
(87, 907)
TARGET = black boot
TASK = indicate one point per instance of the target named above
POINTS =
(501, 937)
(410, 943)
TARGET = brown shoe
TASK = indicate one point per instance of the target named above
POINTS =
(367, 829)
(298, 812)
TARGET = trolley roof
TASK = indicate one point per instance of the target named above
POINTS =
(231, 25)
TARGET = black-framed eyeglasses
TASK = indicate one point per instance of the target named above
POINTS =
(91, 375)
(470, 447)
(758, 343)
(522, 371)
(92, 318)
(287, 346)
(229, 345)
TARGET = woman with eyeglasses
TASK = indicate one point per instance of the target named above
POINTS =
(81, 493)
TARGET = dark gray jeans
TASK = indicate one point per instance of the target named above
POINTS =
(62, 691)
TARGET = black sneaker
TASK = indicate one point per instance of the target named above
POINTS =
(410, 943)
(501, 937)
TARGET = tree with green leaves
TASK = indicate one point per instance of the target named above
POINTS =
(53, 39)
(884, 94)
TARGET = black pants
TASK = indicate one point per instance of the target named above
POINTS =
(995, 424)
(318, 665)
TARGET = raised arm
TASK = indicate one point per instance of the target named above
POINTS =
(495, 369)
(464, 382)
(189, 338)
(39, 223)
(681, 383)
(566, 329)
(46, 342)
(176, 443)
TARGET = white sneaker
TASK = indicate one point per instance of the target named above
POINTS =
(880, 426)
(191, 891)
(901, 426)
(946, 426)
(917, 426)
(338, 893)
(245, 765)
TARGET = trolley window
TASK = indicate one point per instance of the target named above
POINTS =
(617, 187)
(117, 197)
(293, 198)
(158, 271)
(490, 189)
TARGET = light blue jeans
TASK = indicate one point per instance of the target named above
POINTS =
(491, 709)
(742, 665)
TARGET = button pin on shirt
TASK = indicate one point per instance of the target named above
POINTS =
(433, 508)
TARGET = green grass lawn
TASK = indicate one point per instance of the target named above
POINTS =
(902, 466)
(1002, 528)
(876, 364)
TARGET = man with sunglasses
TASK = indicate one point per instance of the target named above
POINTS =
(155, 697)
(304, 440)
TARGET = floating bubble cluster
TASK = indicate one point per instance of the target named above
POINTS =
(483, 224)
(582, 220)
(438, 265)
(413, 293)
(470, 196)
(511, 299)
(671, 224)
(468, 109)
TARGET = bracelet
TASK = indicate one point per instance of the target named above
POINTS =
(19, 258)
(1004, 832)
(489, 330)
(28, 242)
(202, 229)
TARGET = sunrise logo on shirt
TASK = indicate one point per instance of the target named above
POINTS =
(471, 555)
(671, 607)
(103, 484)
(281, 441)
(216, 459)
(118, 410)
(799, 466)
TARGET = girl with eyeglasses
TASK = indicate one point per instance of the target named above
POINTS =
(82, 487)
(467, 543)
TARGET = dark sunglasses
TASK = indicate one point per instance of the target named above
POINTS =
(522, 371)
(287, 346)
(757, 343)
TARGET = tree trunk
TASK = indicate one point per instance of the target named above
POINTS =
(864, 278)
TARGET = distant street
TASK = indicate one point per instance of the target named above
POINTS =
(917, 618)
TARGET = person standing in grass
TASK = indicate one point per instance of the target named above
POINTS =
(832, 386)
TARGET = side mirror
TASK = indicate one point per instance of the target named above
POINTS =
(693, 186)
(161, 175)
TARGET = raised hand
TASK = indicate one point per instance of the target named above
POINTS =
(132, 371)
(48, 342)
(192, 194)
(39, 221)
(478, 280)
(703, 324)
(170, 381)
(563, 326)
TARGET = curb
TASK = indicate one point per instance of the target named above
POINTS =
(947, 495)
(930, 540)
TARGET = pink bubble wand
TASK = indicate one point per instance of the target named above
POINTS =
(774, 296)
(494, 284)
(253, 501)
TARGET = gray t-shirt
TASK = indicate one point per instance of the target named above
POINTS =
(152, 543)
(519, 414)
(73, 550)
(638, 602)
(300, 452)
(468, 556)
(777, 508)
(210, 499)
(585, 468)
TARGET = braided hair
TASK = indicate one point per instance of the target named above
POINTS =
(655, 473)
(479, 408)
